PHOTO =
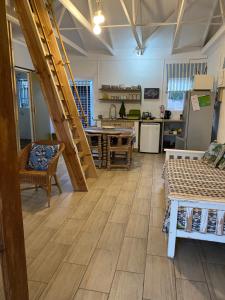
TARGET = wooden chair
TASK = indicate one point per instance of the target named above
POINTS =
(119, 146)
(41, 179)
(95, 143)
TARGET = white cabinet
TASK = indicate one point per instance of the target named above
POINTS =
(149, 141)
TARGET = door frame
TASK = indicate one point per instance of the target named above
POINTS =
(31, 109)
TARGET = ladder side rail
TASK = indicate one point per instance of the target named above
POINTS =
(50, 92)
(50, 55)
(67, 61)
(88, 159)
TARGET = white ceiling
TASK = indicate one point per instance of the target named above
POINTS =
(200, 19)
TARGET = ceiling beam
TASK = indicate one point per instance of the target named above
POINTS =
(214, 39)
(67, 41)
(90, 6)
(83, 21)
(181, 9)
(132, 25)
(222, 10)
(204, 37)
(61, 15)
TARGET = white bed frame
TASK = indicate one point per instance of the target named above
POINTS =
(204, 204)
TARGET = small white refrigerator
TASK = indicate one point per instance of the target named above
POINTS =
(149, 139)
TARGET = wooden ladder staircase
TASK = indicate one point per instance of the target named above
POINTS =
(47, 60)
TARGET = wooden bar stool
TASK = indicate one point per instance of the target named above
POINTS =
(119, 148)
(95, 143)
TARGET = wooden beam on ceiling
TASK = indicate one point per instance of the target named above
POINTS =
(181, 9)
(204, 37)
(80, 17)
(67, 41)
(132, 25)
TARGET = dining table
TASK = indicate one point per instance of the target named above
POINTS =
(105, 131)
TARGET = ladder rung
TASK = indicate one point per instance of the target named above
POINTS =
(48, 56)
(44, 40)
(81, 154)
(85, 167)
(76, 141)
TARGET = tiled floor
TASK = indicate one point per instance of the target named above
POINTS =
(108, 243)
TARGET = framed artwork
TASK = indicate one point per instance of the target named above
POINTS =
(151, 93)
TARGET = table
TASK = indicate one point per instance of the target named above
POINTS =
(105, 132)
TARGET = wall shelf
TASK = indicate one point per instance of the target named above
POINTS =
(120, 90)
(120, 100)
(118, 95)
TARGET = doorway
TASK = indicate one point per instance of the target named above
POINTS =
(25, 128)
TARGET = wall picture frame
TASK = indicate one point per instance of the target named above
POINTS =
(151, 93)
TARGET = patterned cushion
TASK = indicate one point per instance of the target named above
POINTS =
(40, 155)
(221, 163)
(213, 154)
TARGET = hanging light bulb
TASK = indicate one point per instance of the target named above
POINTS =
(98, 18)
(97, 29)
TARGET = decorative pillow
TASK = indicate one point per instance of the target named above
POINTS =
(221, 163)
(214, 151)
(40, 155)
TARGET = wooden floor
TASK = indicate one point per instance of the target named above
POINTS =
(108, 243)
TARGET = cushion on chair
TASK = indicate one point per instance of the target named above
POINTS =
(214, 153)
(221, 162)
(40, 155)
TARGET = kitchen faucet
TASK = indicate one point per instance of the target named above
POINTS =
(110, 111)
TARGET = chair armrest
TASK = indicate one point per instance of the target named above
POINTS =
(183, 154)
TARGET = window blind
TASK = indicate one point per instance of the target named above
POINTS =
(180, 76)
(84, 88)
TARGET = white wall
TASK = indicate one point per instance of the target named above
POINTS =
(216, 56)
(147, 70)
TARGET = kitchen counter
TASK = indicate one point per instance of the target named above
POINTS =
(140, 120)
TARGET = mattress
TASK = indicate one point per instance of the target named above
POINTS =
(193, 180)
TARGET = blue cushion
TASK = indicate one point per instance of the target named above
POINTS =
(40, 155)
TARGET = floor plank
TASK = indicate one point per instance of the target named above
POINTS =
(187, 290)
(100, 271)
(83, 248)
(127, 286)
(64, 283)
(157, 242)
(133, 255)
(45, 264)
(187, 262)
(159, 279)
(90, 295)
(137, 226)
(112, 237)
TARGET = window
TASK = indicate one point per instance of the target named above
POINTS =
(179, 81)
(85, 90)
(23, 92)
(175, 101)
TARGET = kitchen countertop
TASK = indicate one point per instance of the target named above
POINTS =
(143, 121)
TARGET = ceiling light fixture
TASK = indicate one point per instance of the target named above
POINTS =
(97, 29)
(98, 18)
